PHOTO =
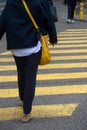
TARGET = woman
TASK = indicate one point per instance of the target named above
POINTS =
(23, 41)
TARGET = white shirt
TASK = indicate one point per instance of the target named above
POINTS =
(26, 51)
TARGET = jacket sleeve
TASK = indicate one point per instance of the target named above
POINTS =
(48, 22)
(2, 24)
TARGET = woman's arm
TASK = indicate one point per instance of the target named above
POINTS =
(48, 22)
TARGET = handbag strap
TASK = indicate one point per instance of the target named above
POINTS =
(30, 15)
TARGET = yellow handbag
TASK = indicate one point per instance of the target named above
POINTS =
(45, 54)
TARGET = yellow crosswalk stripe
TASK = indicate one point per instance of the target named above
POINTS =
(62, 76)
(51, 90)
(8, 67)
(70, 58)
(76, 30)
(6, 60)
(40, 111)
(71, 38)
(49, 66)
(72, 34)
(75, 41)
(12, 78)
(6, 53)
(69, 51)
(64, 65)
(68, 46)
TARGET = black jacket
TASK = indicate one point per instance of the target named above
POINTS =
(20, 32)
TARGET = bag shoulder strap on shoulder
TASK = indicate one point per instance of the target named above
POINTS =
(30, 15)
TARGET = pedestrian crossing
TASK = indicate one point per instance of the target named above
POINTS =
(69, 62)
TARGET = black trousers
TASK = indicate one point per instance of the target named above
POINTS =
(71, 9)
(27, 67)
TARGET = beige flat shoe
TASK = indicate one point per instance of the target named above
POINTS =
(27, 117)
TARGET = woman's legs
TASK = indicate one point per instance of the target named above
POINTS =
(27, 69)
(32, 62)
(20, 63)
